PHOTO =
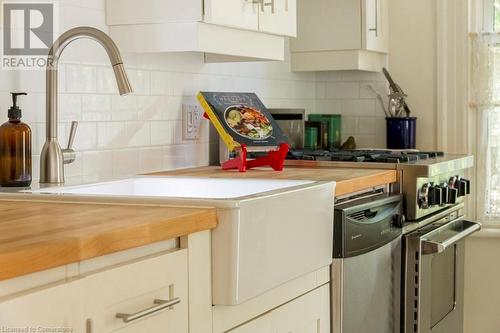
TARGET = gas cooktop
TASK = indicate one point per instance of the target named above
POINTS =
(378, 156)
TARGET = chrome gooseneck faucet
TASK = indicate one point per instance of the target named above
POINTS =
(53, 157)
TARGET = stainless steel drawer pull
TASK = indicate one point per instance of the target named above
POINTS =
(268, 4)
(457, 231)
(160, 305)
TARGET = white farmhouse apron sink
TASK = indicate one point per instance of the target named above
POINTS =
(269, 232)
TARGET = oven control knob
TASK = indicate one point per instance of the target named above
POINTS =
(445, 193)
(462, 187)
(398, 221)
(453, 182)
(452, 195)
(435, 195)
(423, 196)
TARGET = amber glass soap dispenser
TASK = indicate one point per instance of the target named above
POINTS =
(15, 149)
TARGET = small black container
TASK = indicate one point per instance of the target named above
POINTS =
(401, 132)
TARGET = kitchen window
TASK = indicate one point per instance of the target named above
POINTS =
(485, 92)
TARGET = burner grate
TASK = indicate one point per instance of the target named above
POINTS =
(380, 156)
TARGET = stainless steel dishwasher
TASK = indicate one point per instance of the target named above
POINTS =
(366, 269)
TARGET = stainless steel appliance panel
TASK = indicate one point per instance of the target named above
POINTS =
(366, 271)
(434, 273)
(365, 291)
(292, 123)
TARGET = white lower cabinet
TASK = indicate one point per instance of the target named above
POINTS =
(136, 298)
(309, 313)
(135, 291)
(58, 306)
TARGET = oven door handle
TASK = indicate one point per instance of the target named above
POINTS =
(430, 246)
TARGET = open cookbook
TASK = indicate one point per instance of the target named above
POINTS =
(241, 118)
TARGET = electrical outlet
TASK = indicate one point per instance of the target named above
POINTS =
(191, 118)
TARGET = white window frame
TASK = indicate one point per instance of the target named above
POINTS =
(487, 25)
(488, 19)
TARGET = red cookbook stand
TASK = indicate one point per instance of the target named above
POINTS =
(274, 158)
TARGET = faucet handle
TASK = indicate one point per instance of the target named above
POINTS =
(69, 154)
(72, 133)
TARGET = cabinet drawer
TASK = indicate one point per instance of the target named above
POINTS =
(56, 306)
(309, 313)
(132, 298)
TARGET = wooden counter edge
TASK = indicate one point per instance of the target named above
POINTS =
(354, 185)
(67, 250)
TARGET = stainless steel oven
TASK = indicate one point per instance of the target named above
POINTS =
(433, 265)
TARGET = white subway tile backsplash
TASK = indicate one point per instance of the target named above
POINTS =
(358, 107)
(161, 133)
(173, 157)
(125, 163)
(112, 135)
(160, 83)
(174, 107)
(151, 159)
(361, 76)
(368, 89)
(176, 131)
(124, 107)
(70, 107)
(74, 169)
(32, 106)
(96, 107)
(97, 165)
(139, 133)
(349, 126)
(105, 80)
(332, 76)
(320, 90)
(86, 136)
(140, 81)
(342, 90)
(152, 107)
(81, 79)
(366, 126)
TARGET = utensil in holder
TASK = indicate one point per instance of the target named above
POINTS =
(401, 132)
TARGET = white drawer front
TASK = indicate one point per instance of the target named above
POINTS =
(58, 306)
(309, 313)
(131, 291)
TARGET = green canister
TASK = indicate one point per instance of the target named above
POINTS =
(334, 126)
(311, 138)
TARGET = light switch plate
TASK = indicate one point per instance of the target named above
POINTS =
(191, 119)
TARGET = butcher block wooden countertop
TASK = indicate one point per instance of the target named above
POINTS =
(35, 236)
(349, 180)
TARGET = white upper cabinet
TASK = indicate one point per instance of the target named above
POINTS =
(225, 30)
(278, 17)
(341, 35)
(242, 14)
(375, 25)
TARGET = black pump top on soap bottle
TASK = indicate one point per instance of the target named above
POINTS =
(14, 111)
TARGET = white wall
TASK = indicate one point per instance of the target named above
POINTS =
(122, 136)
(412, 62)
(482, 293)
